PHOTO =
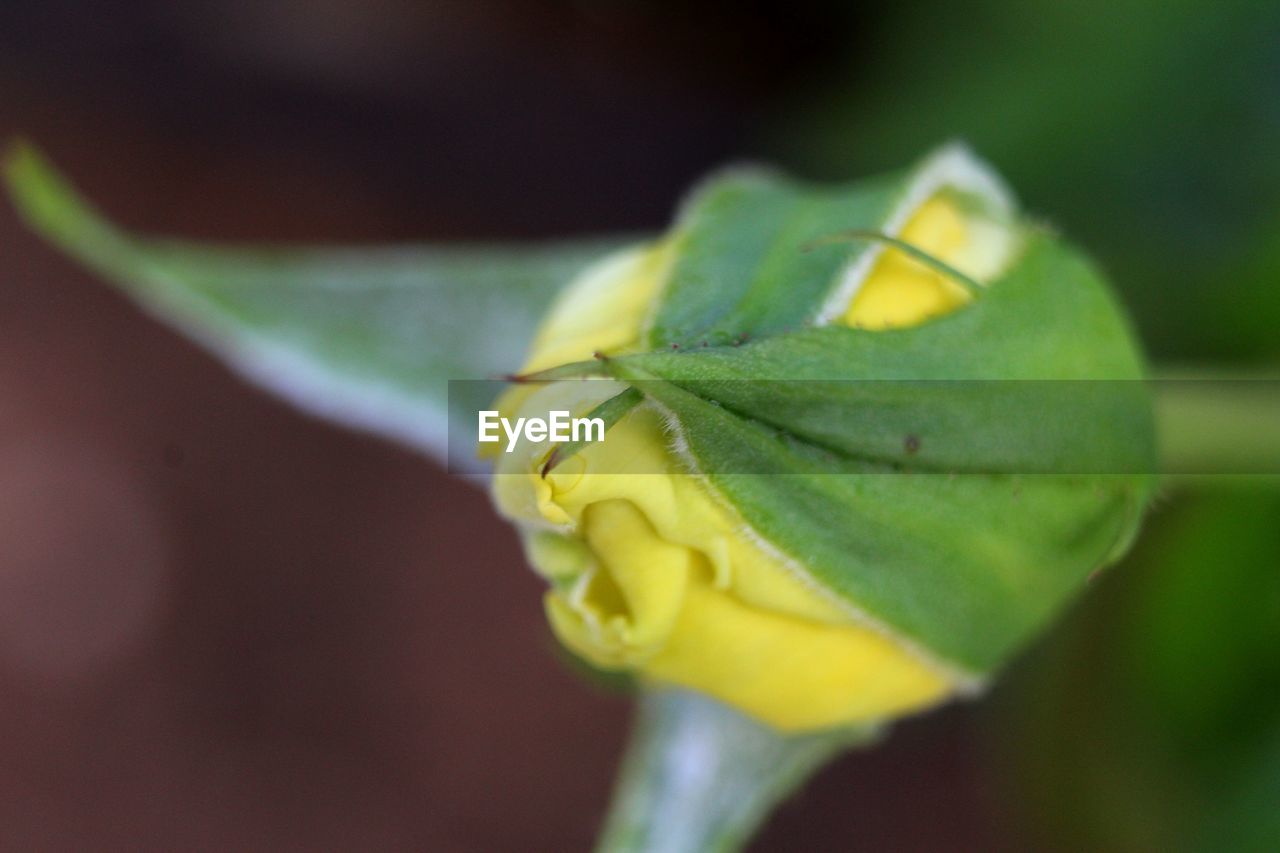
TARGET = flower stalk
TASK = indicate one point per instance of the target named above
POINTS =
(701, 776)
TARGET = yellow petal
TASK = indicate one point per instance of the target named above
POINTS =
(792, 673)
(604, 309)
(902, 291)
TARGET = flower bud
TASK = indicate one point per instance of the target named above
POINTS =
(791, 510)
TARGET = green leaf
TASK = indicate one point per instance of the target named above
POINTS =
(365, 336)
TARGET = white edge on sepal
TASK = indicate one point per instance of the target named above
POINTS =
(965, 683)
(953, 166)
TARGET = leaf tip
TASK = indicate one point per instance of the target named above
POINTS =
(24, 169)
(46, 199)
(19, 156)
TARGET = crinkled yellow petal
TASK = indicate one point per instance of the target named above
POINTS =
(623, 609)
(651, 574)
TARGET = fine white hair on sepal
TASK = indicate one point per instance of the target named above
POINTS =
(674, 432)
(953, 166)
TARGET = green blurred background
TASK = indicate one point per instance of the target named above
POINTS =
(1147, 131)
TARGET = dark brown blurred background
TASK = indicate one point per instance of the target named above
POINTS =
(224, 625)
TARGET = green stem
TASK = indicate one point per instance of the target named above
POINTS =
(1217, 425)
(700, 776)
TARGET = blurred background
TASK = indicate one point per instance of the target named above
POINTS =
(224, 625)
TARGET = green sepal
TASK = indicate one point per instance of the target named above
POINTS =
(759, 253)
(610, 411)
(741, 268)
(989, 388)
(956, 482)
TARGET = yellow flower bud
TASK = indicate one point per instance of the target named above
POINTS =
(650, 572)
